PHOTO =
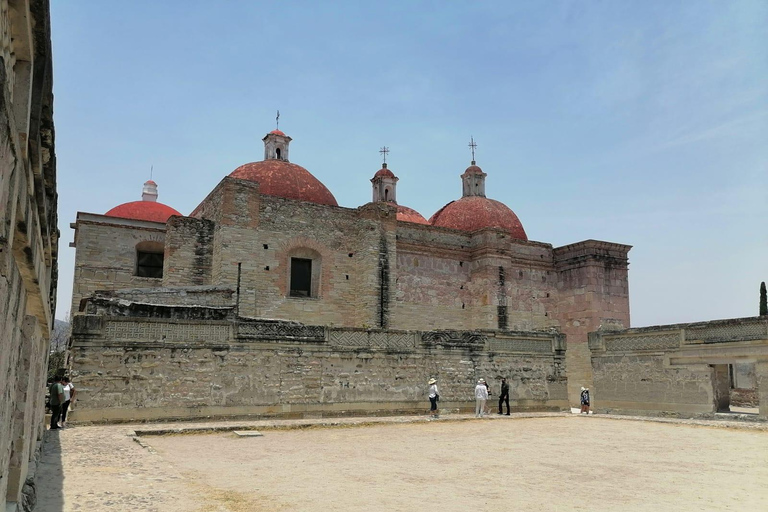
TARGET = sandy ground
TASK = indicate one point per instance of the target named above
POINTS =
(542, 464)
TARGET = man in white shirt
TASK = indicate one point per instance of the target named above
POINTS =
(481, 395)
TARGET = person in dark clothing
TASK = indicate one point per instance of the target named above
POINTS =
(57, 399)
(504, 395)
(585, 400)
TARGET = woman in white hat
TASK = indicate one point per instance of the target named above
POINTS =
(481, 395)
(434, 396)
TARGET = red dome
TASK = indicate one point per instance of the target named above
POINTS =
(384, 173)
(406, 214)
(277, 132)
(143, 210)
(475, 212)
(284, 179)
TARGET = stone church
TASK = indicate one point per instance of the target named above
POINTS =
(269, 246)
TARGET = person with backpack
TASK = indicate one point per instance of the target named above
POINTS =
(57, 399)
(584, 400)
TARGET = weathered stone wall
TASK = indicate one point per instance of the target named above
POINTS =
(592, 291)
(486, 280)
(106, 254)
(130, 368)
(679, 369)
(342, 243)
(28, 240)
(181, 295)
(188, 256)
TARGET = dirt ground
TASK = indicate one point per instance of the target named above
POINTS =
(541, 464)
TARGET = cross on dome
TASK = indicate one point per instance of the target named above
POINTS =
(472, 146)
(384, 151)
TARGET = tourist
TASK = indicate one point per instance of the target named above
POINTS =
(57, 399)
(69, 396)
(434, 397)
(504, 395)
(481, 395)
(584, 400)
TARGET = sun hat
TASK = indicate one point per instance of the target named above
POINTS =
(432, 381)
(583, 388)
(481, 380)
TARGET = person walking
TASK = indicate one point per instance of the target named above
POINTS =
(69, 396)
(434, 397)
(481, 395)
(504, 395)
(57, 399)
(584, 400)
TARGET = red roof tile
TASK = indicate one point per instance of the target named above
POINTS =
(475, 212)
(143, 210)
(284, 179)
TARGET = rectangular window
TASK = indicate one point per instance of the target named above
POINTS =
(149, 264)
(301, 277)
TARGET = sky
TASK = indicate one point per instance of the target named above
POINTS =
(638, 122)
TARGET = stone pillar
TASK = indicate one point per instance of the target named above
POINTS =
(593, 292)
(761, 375)
(721, 388)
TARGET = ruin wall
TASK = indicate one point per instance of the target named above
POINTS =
(677, 369)
(130, 368)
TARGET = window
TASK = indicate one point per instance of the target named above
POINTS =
(149, 264)
(149, 259)
(301, 277)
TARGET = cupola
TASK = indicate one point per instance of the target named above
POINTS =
(384, 184)
(148, 208)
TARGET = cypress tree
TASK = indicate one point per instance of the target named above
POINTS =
(763, 300)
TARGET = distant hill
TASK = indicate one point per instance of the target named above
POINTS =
(60, 335)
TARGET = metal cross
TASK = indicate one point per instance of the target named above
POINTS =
(277, 121)
(472, 147)
(384, 152)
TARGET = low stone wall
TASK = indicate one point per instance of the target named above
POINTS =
(677, 369)
(216, 296)
(129, 368)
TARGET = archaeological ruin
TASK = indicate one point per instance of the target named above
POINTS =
(28, 241)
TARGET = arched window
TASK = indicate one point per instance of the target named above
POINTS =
(386, 194)
(149, 259)
(277, 153)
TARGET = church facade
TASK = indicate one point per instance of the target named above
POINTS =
(271, 242)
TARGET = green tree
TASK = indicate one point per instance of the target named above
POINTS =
(763, 300)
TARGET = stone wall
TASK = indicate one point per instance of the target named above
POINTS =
(188, 256)
(592, 291)
(674, 369)
(263, 233)
(28, 241)
(106, 254)
(131, 368)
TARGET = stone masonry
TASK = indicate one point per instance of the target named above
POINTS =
(676, 369)
(190, 364)
(28, 241)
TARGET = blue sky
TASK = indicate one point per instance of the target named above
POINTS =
(643, 123)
